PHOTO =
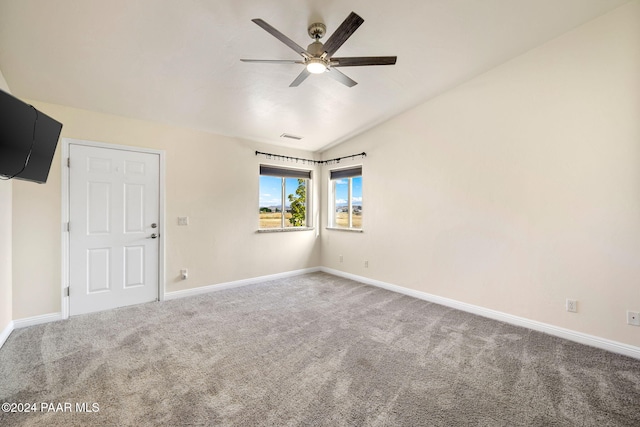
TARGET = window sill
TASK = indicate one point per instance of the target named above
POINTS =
(353, 230)
(283, 230)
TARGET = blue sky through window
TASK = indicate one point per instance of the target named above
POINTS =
(342, 191)
(271, 191)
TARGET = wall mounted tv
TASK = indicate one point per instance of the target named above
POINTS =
(28, 139)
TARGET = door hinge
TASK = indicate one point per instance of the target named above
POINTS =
(66, 291)
(68, 162)
(68, 227)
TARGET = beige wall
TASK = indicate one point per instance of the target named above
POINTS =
(211, 179)
(516, 190)
(5, 243)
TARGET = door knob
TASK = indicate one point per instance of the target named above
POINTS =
(154, 236)
(154, 225)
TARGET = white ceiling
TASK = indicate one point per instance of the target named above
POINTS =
(178, 62)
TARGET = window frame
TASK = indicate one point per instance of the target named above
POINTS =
(284, 173)
(335, 175)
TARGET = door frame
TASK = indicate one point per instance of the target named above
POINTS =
(66, 142)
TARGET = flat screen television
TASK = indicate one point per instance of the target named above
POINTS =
(28, 139)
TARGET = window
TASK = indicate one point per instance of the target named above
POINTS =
(283, 197)
(346, 198)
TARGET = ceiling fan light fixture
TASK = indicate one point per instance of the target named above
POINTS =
(316, 66)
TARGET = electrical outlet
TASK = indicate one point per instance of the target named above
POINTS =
(340, 258)
(183, 220)
(184, 273)
(366, 264)
(633, 318)
(572, 305)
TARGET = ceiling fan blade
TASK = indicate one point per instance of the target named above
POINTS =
(301, 77)
(284, 39)
(344, 31)
(341, 77)
(273, 61)
(363, 60)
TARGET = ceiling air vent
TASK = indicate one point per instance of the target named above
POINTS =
(288, 135)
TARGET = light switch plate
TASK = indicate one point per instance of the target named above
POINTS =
(183, 220)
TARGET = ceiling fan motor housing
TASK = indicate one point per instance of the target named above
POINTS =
(316, 49)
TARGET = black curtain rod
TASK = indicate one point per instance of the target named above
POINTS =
(309, 161)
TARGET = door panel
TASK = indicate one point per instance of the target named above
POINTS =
(113, 202)
(98, 207)
(134, 208)
(134, 266)
(98, 269)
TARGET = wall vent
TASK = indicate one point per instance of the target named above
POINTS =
(288, 135)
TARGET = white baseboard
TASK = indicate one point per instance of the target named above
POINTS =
(28, 321)
(236, 283)
(36, 320)
(579, 337)
(5, 333)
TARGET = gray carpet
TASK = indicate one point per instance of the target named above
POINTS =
(314, 350)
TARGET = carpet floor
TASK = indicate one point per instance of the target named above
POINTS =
(312, 350)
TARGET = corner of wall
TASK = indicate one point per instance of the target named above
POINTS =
(6, 250)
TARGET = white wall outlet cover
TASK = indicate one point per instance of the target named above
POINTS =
(633, 318)
(183, 220)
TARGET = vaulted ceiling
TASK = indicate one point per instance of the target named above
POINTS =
(178, 62)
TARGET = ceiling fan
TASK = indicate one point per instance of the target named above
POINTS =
(317, 57)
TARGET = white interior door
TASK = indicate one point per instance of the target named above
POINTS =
(113, 228)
